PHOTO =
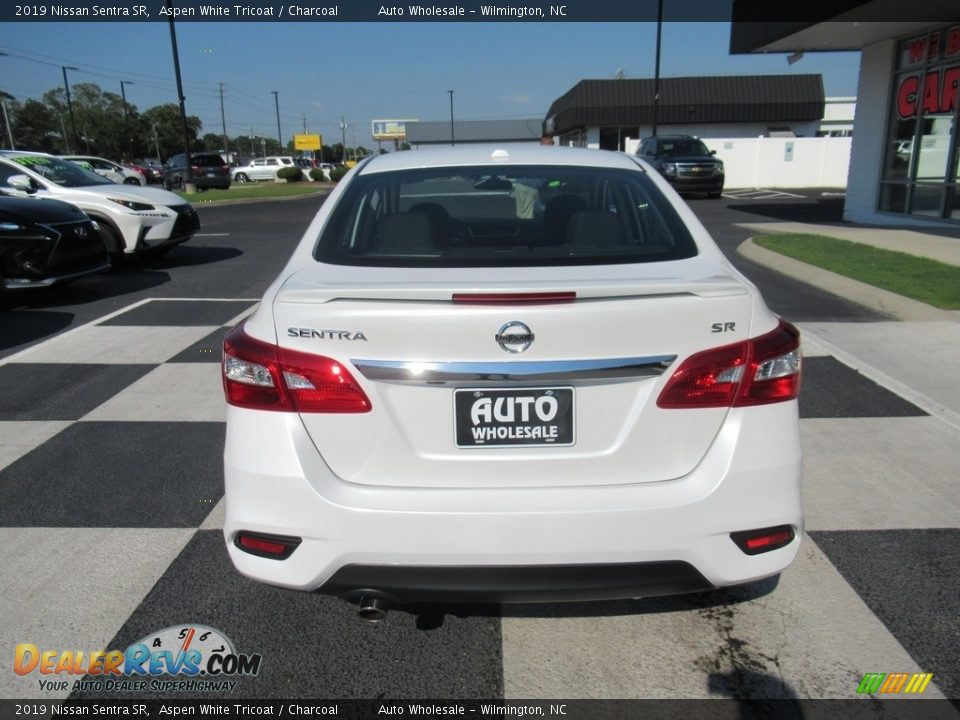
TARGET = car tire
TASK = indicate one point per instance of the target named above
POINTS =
(131, 181)
(114, 242)
(715, 195)
(241, 178)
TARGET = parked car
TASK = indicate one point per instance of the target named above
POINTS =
(131, 219)
(261, 169)
(149, 173)
(110, 170)
(208, 170)
(43, 242)
(456, 390)
(155, 167)
(685, 162)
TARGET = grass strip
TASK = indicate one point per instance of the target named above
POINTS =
(255, 191)
(923, 279)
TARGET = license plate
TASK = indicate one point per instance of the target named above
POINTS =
(525, 416)
(210, 174)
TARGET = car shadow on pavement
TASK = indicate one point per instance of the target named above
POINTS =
(827, 211)
(20, 328)
(31, 315)
(184, 256)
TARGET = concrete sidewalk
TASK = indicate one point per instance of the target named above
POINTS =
(917, 353)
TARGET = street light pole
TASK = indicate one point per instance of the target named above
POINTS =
(188, 185)
(276, 102)
(126, 116)
(451, 118)
(343, 139)
(656, 70)
(73, 124)
(223, 119)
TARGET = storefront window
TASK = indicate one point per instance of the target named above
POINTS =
(919, 172)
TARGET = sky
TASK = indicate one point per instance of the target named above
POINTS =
(373, 71)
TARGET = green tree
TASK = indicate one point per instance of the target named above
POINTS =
(35, 127)
(212, 142)
(165, 120)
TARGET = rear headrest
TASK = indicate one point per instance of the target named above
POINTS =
(595, 227)
(406, 233)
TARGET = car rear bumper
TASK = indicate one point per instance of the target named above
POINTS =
(749, 479)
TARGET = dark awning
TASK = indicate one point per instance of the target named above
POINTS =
(718, 99)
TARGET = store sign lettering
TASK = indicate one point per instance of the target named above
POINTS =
(939, 93)
(919, 50)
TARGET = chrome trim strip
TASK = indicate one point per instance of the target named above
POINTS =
(498, 373)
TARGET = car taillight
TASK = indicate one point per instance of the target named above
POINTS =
(763, 370)
(262, 376)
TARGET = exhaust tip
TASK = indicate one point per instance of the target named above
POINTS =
(372, 609)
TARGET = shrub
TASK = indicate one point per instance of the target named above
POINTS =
(290, 174)
(337, 173)
(317, 174)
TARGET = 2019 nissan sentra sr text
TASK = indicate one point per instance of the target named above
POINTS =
(510, 375)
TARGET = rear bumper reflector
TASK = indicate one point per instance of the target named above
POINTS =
(754, 542)
(275, 547)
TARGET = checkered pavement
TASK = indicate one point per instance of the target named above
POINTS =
(111, 486)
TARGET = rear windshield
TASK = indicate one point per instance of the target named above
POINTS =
(502, 217)
(207, 160)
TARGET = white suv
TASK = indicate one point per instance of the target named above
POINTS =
(132, 219)
(261, 169)
(510, 375)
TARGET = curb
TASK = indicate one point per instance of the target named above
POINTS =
(884, 301)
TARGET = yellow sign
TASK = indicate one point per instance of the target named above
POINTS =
(307, 142)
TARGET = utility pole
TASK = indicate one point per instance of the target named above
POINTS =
(156, 144)
(73, 124)
(223, 119)
(451, 118)
(126, 117)
(276, 102)
(188, 185)
(656, 70)
(304, 124)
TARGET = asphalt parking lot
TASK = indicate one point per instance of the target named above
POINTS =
(111, 435)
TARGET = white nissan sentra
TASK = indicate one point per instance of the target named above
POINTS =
(510, 375)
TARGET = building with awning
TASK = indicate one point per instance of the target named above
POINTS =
(604, 114)
(905, 157)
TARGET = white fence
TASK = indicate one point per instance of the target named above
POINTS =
(766, 162)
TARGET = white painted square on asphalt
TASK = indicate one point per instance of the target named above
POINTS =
(73, 588)
(880, 473)
(19, 438)
(187, 392)
(116, 345)
(812, 637)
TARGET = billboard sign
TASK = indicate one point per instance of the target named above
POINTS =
(307, 142)
(390, 129)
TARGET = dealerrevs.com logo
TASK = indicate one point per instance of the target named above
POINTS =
(181, 658)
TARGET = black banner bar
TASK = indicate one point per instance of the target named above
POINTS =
(867, 708)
